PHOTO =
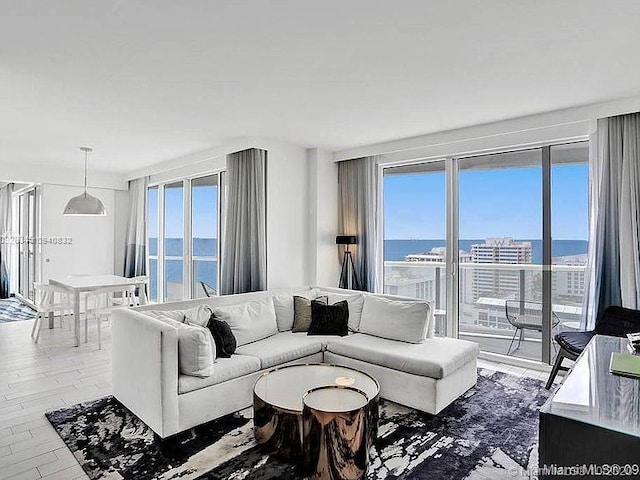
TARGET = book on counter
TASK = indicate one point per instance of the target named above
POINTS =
(625, 364)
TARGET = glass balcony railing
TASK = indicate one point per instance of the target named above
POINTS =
(485, 292)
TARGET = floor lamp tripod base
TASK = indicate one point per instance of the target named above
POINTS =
(348, 269)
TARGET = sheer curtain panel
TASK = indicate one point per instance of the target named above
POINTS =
(244, 246)
(5, 245)
(135, 256)
(614, 246)
(358, 215)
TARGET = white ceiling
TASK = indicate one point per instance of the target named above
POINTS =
(151, 80)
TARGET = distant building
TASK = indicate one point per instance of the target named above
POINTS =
(569, 284)
(497, 282)
(438, 254)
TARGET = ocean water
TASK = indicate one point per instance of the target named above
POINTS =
(396, 250)
(206, 271)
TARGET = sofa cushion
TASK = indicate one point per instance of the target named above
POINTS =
(283, 305)
(355, 301)
(196, 348)
(435, 357)
(177, 315)
(329, 319)
(223, 336)
(406, 321)
(250, 321)
(225, 369)
(302, 312)
(198, 315)
(282, 348)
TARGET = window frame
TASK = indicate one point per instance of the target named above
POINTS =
(187, 257)
(452, 170)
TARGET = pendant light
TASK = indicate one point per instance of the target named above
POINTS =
(85, 204)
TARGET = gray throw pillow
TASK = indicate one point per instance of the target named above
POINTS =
(302, 312)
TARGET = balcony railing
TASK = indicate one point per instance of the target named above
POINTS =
(483, 290)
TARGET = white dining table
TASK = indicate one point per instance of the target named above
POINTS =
(78, 284)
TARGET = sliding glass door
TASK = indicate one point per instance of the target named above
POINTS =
(497, 242)
(415, 234)
(569, 231)
(204, 235)
(500, 241)
(183, 225)
(174, 242)
(28, 247)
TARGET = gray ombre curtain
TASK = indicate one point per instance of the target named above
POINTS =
(358, 215)
(244, 246)
(614, 236)
(135, 255)
(5, 245)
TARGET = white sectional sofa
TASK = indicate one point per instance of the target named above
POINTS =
(428, 375)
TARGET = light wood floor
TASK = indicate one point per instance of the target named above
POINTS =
(53, 374)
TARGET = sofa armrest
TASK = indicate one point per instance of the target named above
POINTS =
(145, 369)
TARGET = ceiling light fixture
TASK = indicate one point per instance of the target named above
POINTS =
(85, 205)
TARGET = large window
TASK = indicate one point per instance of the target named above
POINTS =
(204, 235)
(516, 226)
(414, 234)
(183, 225)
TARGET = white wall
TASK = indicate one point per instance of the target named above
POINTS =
(287, 216)
(558, 125)
(323, 259)
(92, 247)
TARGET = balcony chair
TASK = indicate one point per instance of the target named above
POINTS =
(209, 291)
(525, 315)
(613, 321)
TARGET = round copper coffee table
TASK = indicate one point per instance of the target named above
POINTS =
(278, 403)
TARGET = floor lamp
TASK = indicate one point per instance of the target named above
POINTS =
(348, 266)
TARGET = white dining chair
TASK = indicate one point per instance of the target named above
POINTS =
(139, 296)
(50, 299)
(100, 304)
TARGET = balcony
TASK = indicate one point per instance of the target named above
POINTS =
(484, 288)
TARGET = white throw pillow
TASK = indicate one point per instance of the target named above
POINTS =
(196, 348)
(355, 302)
(250, 321)
(199, 315)
(283, 306)
(406, 321)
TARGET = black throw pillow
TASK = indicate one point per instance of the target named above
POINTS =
(329, 319)
(223, 336)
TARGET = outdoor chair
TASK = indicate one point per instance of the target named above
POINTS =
(525, 315)
(209, 291)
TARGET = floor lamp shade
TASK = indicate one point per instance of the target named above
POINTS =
(346, 240)
(348, 275)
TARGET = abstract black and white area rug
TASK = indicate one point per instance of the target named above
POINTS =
(491, 432)
(13, 310)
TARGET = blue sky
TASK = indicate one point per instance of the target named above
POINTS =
(205, 212)
(493, 203)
